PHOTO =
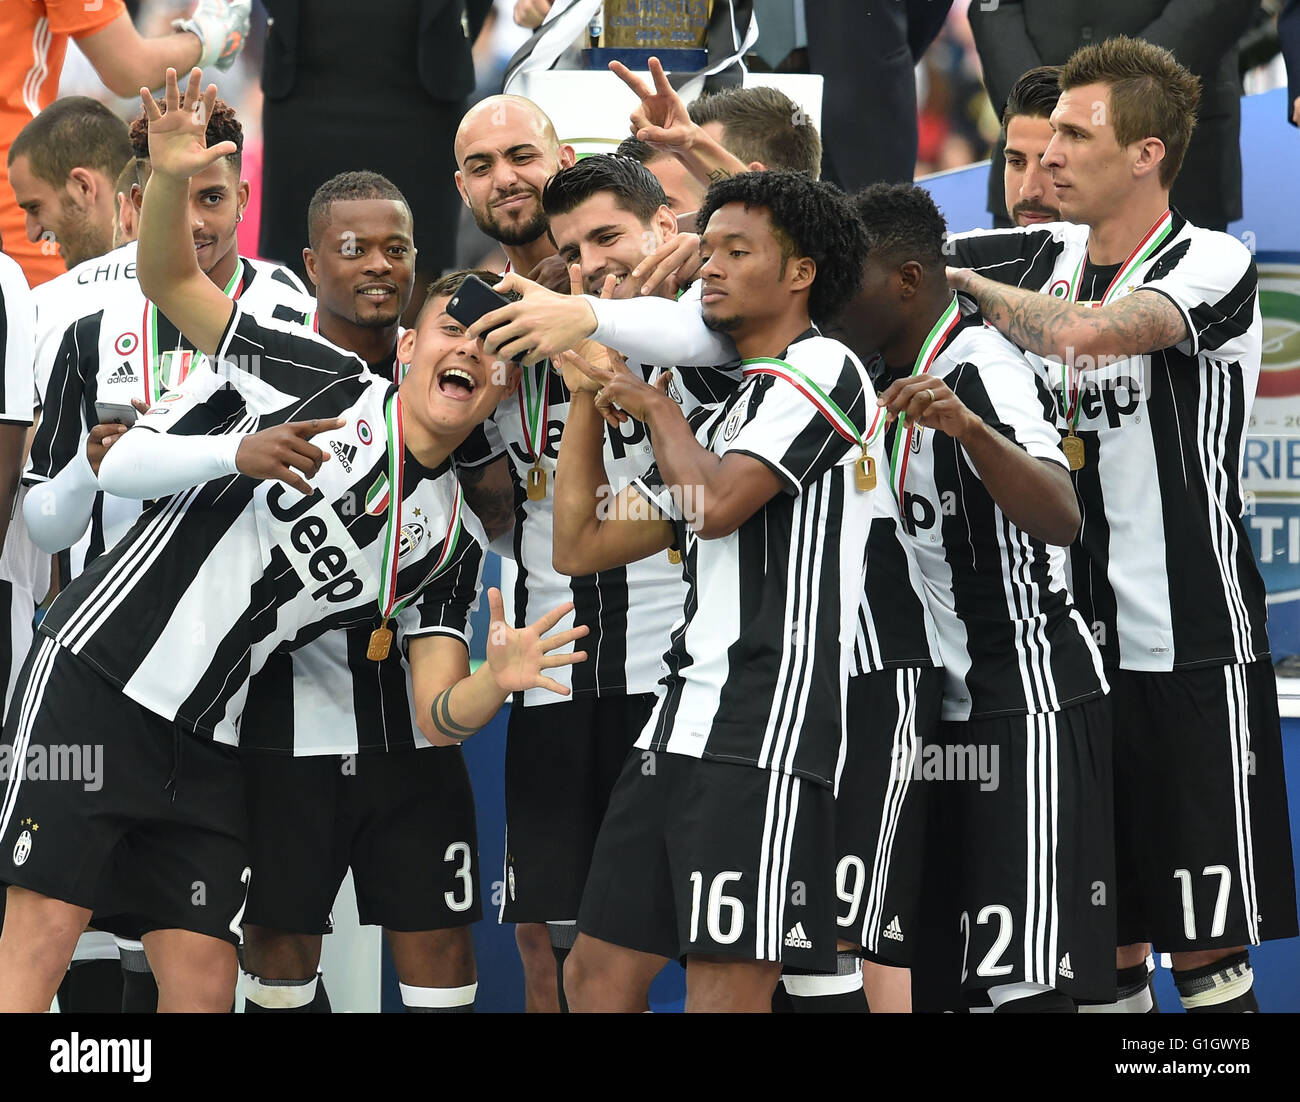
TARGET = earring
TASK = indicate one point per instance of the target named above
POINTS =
(239, 218)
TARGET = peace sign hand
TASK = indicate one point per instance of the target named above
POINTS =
(661, 121)
(177, 138)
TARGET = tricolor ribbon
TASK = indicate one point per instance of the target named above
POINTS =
(154, 383)
(1151, 241)
(534, 396)
(930, 349)
(390, 496)
(823, 402)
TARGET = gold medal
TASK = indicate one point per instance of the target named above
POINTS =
(864, 473)
(381, 639)
(536, 482)
(1073, 448)
(674, 556)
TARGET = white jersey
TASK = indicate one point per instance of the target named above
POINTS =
(212, 581)
(22, 563)
(758, 670)
(630, 611)
(1163, 570)
(101, 340)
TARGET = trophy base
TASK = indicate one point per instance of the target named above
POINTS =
(638, 60)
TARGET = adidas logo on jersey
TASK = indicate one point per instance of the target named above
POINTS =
(122, 374)
(894, 930)
(1063, 969)
(347, 454)
(795, 938)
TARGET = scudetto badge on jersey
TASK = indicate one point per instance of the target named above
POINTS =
(126, 344)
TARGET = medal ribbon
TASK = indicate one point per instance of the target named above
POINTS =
(824, 403)
(1142, 252)
(153, 380)
(389, 602)
(938, 334)
(534, 396)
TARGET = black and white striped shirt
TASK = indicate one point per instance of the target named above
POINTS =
(210, 582)
(100, 341)
(328, 697)
(1011, 639)
(1163, 570)
(757, 670)
(630, 610)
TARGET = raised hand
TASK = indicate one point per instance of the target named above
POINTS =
(661, 121)
(276, 452)
(517, 656)
(593, 352)
(177, 137)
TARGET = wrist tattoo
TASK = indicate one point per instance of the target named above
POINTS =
(441, 714)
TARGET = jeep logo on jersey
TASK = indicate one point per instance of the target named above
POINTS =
(624, 436)
(347, 453)
(323, 561)
(1116, 398)
(917, 513)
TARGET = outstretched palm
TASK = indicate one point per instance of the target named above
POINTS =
(517, 656)
(177, 142)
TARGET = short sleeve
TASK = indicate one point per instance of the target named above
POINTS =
(652, 487)
(203, 405)
(17, 344)
(1013, 399)
(1212, 279)
(1017, 257)
(79, 18)
(801, 416)
(444, 608)
(275, 363)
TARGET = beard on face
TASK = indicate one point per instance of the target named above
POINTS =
(721, 324)
(80, 239)
(521, 234)
(1028, 206)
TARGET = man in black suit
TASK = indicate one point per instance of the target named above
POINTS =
(868, 53)
(1288, 30)
(355, 86)
(1015, 35)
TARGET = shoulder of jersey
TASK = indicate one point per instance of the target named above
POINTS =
(984, 346)
(90, 277)
(1069, 232)
(1229, 251)
(822, 353)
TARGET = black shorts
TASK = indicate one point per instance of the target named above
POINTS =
(403, 822)
(880, 811)
(151, 834)
(709, 857)
(1202, 834)
(561, 764)
(1020, 864)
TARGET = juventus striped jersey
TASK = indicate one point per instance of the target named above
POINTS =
(328, 697)
(758, 669)
(1163, 569)
(117, 346)
(210, 582)
(1011, 639)
(629, 610)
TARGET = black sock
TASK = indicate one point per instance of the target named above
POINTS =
(1133, 993)
(91, 987)
(139, 988)
(321, 1003)
(563, 935)
(1224, 987)
(781, 1001)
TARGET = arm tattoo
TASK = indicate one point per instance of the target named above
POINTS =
(491, 499)
(1133, 326)
(441, 713)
